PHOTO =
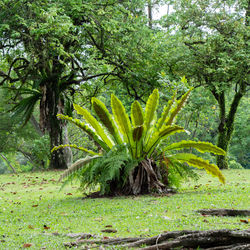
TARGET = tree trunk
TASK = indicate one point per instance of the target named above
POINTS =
(226, 127)
(223, 239)
(150, 16)
(50, 106)
(13, 169)
(224, 212)
(223, 142)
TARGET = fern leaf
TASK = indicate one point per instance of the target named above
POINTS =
(76, 166)
(76, 147)
(198, 162)
(121, 117)
(26, 106)
(136, 114)
(200, 146)
(177, 109)
(94, 123)
(165, 112)
(86, 129)
(150, 109)
(162, 134)
(106, 119)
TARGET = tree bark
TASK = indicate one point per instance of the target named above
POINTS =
(224, 212)
(212, 239)
(50, 106)
(150, 16)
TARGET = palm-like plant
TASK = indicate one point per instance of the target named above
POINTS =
(142, 136)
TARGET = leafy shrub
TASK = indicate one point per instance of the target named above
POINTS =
(140, 139)
(235, 165)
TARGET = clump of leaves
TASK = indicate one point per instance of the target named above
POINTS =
(139, 138)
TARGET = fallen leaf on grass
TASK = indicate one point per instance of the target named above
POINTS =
(35, 205)
(26, 245)
(245, 221)
(30, 227)
(69, 194)
(109, 230)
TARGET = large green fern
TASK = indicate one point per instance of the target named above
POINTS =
(126, 143)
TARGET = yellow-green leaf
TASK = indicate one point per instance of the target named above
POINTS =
(94, 123)
(106, 119)
(177, 109)
(86, 129)
(198, 162)
(76, 147)
(165, 112)
(77, 165)
(121, 117)
(137, 114)
(162, 134)
(200, 146)
(150, 109)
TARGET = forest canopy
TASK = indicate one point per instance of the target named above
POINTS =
(56, 53)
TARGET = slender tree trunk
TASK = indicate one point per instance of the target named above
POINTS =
(222, 131)
(150, 16)
(13, 169)
(50, 106)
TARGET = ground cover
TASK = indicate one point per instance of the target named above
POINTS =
(32, 210)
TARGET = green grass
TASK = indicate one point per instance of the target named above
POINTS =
(32, 200)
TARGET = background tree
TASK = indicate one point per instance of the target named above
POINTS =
(213, 38)
(51, 48)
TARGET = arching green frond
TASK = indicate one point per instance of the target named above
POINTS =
(94, 123)
(76, 147)
(150, 109)
(76, 166)
(162, 134)
(26, 106)
(136, 114)
(177, 109)
(86, 129)
(121, 117)
(165, 112)
(106, 119)
(198, 162)
(200, 146)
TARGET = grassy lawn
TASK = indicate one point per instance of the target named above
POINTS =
(32, 200)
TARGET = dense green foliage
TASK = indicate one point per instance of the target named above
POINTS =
(54, 53)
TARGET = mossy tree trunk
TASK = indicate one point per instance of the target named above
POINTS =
(50, 105)
(226, 126)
